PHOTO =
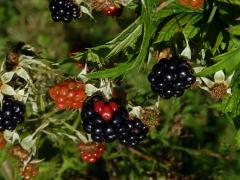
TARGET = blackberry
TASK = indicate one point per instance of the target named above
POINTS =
(132, 133)
(113, 126)
(102, 118)
(170, 77)
(12, 113)
(63, 10)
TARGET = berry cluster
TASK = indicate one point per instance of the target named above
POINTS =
(12, 113)
(90, 152)
(69, 94)
(64, 10)
(169, 77)
(108, 120)
(30, 171)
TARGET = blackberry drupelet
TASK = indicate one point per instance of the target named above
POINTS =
(170, 77)
(12, 113)
(63, 10)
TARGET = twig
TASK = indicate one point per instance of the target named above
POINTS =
(148, 158)
(199, 152)
(138, 153)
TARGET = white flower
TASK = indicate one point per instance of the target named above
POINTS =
(219, 87)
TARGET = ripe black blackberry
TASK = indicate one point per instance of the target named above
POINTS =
(170, 77)
(113, 126)
(63, 10)
(132, 132)
(11, 114)
(102, 127)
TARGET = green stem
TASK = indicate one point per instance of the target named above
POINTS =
(198, 152)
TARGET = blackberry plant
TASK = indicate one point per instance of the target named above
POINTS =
(131, 90)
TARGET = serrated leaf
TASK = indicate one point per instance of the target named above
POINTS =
(8, 90)
(112, 72)
(231, 104)
(128, 41)
(173, 26)
(7, 77)
(227, 61)
(124, 33)
(174, 8)
(191, 31)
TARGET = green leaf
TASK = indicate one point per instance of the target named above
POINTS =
(235, 30)
(112, 72)
(174, 8)
(227, 61)
(190, 30)
(93, 57)
(218, 42)
(231, 104)
(127, 41)
(149, 29)
(125, 33)
(176, 24)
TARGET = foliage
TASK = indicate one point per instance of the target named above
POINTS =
(197, 137)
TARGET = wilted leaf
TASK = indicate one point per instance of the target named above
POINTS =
(6, 77)
(23, 74)
(28, 142)
(8, 90)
